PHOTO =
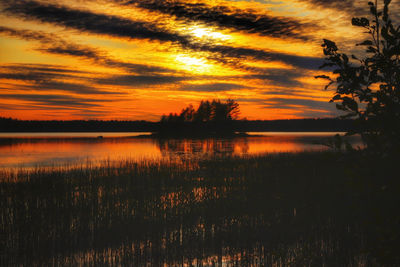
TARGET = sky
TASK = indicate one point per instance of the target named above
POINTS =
(140, 59)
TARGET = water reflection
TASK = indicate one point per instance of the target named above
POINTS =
(206, 147)
(52, 152)
(236, 212)
(72, 149)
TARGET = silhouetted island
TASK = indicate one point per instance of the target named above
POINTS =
(214, 118)
(178, 128)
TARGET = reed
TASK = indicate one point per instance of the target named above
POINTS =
(273, 210)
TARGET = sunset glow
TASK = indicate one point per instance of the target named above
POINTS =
(137, 60)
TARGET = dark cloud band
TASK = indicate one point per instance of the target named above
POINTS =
(53, 44)
(55, 100)
(88, 21)
(115, 26)
(140, 80)
(227, 17)
(39, 78)
(212, 87)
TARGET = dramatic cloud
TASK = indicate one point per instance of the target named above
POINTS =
(55, 100)
(40, 68)
(37, 72)
(308, 104)
(45, 78)
(291, 92)
(212, 87)
(131, 59)
(53, 44)
(140, 80)
(115, 26)
(100, 58)
(225, 51)
(282, 77)
(353, 7)
(347, 5)
(302, 107)
(41, 78)
(224, 16)
(88, 21)
(81, 89)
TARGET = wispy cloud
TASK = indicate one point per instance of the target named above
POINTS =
(223, 16)
(226, 51)
(42, 78)
(115, 26)
(352, 7)
(89, 21)
(212, 87)
(125, 51)
(65, 101)
(300, 104)
(48, 68)
(53, 44)
(151, 75)
(140, 80)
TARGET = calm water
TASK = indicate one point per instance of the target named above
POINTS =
(167, 203)
(54, 149)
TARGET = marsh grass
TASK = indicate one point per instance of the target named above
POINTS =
(308, 209)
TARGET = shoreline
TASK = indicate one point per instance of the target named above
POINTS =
(69, 136)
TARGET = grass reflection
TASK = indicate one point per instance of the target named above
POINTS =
(288, 209)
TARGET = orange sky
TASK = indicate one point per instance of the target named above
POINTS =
(139, 59)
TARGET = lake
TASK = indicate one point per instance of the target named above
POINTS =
(26, 150)
(73, 199)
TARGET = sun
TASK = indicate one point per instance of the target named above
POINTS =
(207, 33)
(193, 64)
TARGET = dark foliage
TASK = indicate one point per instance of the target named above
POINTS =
(368, 88)
(212, 118)
(214, 110)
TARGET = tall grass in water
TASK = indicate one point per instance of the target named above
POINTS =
(309, 209)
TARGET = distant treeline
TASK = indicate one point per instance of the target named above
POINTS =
(13, 125)
(332, 124)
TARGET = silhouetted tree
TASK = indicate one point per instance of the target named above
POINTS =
(204, 112)
(233, 110)
(172, 117)
(210, 118)
(207, 111)
(187, 114)
(368, 88)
